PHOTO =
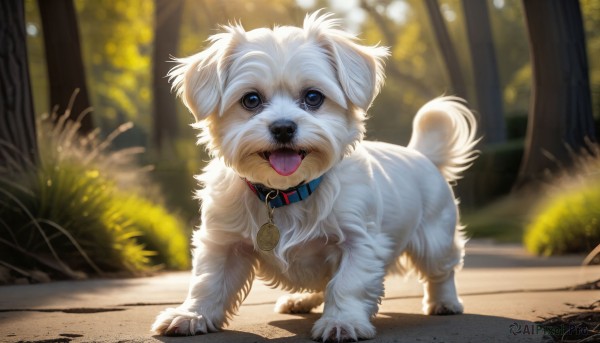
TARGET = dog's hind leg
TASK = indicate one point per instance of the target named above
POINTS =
(441, 297)
(436, 252)
(298, 302)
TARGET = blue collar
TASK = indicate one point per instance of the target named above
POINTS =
(286, 197)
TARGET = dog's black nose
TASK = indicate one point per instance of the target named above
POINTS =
(283, 130)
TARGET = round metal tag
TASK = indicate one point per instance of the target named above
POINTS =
(267, 237)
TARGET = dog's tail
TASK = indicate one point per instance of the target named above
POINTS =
(445, 131)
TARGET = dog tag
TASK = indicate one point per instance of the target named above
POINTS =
(268, 234)
(267, 237)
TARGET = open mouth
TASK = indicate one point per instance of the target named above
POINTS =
(284, 161)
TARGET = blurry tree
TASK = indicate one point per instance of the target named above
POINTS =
(446, 48)
(560, 117)
(488, 91)
(390, 39)
(512, 51)
(17, 121)
(414, 71)
(167, 21)
(591, 18)
(118, 47)
(65, 65)
(38, 73)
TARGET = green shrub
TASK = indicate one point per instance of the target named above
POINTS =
(568, 222)
(161, 232)
(81, 209)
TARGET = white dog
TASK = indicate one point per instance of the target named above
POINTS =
(294, 195)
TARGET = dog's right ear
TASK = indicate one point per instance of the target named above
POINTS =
(199, 80)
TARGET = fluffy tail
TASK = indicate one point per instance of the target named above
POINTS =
(445, 131)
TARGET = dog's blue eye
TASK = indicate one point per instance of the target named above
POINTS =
(313, 99)
(251, 101)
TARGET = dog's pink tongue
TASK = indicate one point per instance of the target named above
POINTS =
(285, 161)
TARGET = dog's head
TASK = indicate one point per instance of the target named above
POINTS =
(281, 106)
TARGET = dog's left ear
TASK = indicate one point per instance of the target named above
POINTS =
(359, 68)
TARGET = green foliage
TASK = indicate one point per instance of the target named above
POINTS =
(160, 232)
(568, 219)
(78, 209)
(117, 41)
(569, 222)
(176, 178)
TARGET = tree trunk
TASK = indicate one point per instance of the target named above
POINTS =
(485, 71)
(167, 18)
(18, 144)
(63, 57)
(446, 47)
(560, 115)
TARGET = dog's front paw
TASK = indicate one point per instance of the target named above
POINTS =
(443, 308)
(343, 329)
(179, 322)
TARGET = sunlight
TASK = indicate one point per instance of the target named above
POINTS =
(306, 4)
(398, 11)
(448, 12)
(32, 29)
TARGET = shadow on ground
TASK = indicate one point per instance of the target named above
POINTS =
(395, 327)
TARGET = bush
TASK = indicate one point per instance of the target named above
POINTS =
(80, 209)
(568, 223)
(161, 232)
(569, 219)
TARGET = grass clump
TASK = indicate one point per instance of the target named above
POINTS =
(161, 232)
(568, 220)
(81, 210)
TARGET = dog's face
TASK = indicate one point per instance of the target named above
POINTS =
(281, 106)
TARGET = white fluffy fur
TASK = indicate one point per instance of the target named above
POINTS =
(378, 204)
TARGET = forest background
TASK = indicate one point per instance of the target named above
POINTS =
(484, 51)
